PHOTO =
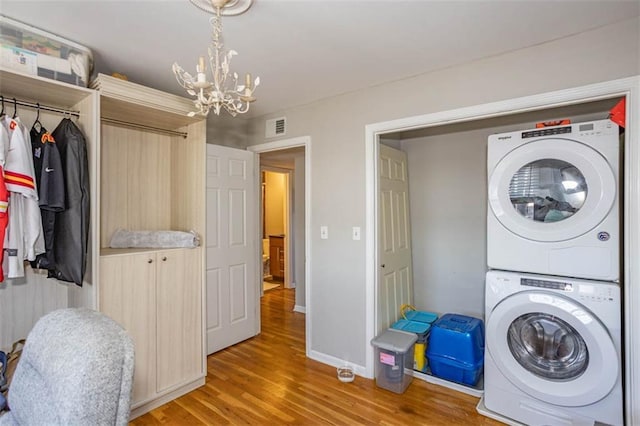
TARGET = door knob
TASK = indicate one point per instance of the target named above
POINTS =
(382, 265)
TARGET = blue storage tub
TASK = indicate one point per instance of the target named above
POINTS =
(456, 348)
(421, 329)
(420, 316)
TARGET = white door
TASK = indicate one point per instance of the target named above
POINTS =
(231, 266)
(395, 278)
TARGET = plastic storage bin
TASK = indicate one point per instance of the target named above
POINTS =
(394, 355)
(421, 329)
(32, 51)
(421, 316)
(456, 348)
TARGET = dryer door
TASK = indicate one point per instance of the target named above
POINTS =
(552, 348)
(552, 190)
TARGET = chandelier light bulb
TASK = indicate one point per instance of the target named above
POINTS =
(223, 91)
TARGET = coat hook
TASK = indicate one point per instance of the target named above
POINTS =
(38, 112)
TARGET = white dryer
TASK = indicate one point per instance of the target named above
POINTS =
(553, 350)
(553, 204)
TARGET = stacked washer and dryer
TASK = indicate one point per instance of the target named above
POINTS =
(552, 299)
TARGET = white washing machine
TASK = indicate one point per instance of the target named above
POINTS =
(553, 350)
(554, 201)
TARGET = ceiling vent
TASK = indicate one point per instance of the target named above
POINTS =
(276, 127)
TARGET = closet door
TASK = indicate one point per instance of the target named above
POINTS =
(128, 295)
(179, 316)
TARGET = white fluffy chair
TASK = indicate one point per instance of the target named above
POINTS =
(76, 369)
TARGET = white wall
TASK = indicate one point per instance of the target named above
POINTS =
(336, 126)
(448, 192)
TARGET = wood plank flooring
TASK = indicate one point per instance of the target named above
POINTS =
(268, 380)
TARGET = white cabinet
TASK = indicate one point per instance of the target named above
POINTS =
(152, 177)
(157, 297)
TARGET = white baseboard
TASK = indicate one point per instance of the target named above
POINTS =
(301, 309)
(337, 362)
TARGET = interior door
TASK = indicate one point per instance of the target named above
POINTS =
(231, 265)
(395, 272)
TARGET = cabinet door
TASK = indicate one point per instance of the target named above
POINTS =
(128, 295)
(276, 256)
(179, 301)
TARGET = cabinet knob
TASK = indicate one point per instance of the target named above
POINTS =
(150, 261)
(164, 258)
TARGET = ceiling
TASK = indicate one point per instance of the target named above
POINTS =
(305, 50)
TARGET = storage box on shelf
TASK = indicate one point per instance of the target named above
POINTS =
(35, 52)
(456, 348)
(394, 355)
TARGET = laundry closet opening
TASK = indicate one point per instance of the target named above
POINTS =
(447, 175)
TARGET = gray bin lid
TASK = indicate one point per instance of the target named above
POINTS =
(395, 340)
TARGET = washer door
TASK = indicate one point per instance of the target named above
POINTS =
(552, 348)
(552, 190)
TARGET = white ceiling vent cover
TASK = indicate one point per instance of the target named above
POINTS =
(276, 127)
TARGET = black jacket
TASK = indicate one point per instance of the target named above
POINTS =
(72, 225)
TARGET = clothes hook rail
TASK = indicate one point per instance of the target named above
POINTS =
(144, 127)
(39, 106)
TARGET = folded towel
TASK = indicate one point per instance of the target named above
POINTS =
(153, 239)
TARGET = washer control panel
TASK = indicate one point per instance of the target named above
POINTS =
(554, 285)
(582, 291)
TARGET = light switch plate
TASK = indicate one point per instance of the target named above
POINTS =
(356, 233)
(324, 232)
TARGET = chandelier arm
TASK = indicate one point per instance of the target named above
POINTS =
(223, 92)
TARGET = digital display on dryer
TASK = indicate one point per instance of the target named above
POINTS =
(554, 285)
(546, 132)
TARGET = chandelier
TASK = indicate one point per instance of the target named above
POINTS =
(224, 90)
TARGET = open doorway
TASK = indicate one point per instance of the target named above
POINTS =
(283, 221)
(275, 218)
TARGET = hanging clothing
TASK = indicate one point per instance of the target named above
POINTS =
(25, 237)
(50, 183)
(71, 235)
(4, 195)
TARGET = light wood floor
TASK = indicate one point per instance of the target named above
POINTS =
(268, 380)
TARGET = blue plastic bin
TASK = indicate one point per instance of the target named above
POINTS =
(421, 329)
(421, 316)
(456, 348)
